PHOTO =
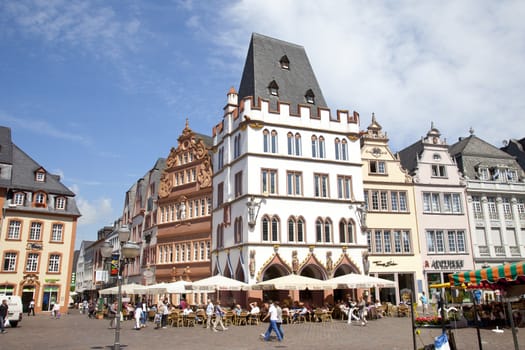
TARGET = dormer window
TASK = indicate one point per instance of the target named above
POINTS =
(60, 203)
(285, 62)
(40, 176)
(19, 198)
(273, 88)
(309, 96)
(40, 199)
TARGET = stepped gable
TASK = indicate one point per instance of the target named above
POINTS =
(272, 63)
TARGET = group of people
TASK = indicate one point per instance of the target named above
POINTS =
(355, 310)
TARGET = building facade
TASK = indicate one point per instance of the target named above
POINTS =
(496, 201)
(184, 211)
(38, 229)
(441, 208)
(287, 175)
(392, 232)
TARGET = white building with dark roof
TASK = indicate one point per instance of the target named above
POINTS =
(287, 178)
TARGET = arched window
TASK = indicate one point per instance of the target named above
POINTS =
(323, 230)
(346, 231)
(291, 230)
(322, 152)
(274, 141)
(337, 144)
(298, 145)
(300, 230)
(314, 146)
(319, 231)
(344, 150)
(290, 142)
(285, 62)
(266, 141)
(220, 237)
(270, 229)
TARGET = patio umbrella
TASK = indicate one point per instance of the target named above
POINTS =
(293, 282)
(219, 282)
(126, 289)
(158, 288)
(354, 280)
(178, 287)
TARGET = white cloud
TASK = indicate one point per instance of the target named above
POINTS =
(96, 211)
(458, 64)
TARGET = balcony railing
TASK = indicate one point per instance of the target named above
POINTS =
(483, 250)
(499, 250)
(515, 251)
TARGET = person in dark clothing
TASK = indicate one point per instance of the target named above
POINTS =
(3, 315)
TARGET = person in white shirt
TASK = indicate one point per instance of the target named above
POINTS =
(209, 313)
(138, 316)
(272, 314)
(254, 309)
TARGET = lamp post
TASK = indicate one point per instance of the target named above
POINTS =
(127, 252)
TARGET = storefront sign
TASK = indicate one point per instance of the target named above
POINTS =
(444, 265)
(51, 280)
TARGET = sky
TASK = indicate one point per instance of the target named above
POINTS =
(97, 91)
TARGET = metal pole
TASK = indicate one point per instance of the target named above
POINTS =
(413, 306)
(512, 326)
(474, 303)
(116, 345)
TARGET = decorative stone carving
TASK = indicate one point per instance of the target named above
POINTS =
(252, 263)
(165, 185)
(295, 262)
(329, 263)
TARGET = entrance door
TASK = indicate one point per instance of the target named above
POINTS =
(49, 297)
(28, 294)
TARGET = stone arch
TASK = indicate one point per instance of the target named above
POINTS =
(344, 266)
(312, 267)
(274, 268)
(239, 272)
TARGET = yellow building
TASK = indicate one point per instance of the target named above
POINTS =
(391, 224)
(38, 228)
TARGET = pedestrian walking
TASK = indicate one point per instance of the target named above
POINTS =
(219, 313)
(279, 318)
(31, 308)
(209, 313)
(424, 302)
(362, 311)
(112, 315)
(272, 314)
(165, 313)
(138, 316)
(56, 311)
(3, 315)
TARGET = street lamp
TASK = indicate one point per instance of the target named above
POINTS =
(128, 251)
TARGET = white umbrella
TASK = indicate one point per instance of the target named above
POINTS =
(293, 282)
(126, 288)
(354, 280)
(178, 287)
(219, 282)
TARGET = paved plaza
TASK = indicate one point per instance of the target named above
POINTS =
(76, 331)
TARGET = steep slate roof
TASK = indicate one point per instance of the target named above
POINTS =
(516, 148)
(409, 156)
(472, 151)
(263, 66)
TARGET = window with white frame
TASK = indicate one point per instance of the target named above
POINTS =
(40, 198)
(60, 203)
(435, 241)
(520, 205)
(294, 144)
(434, 202)
(19, 198)
(493, 209)
(57, 233)
(54, 263)
(318, 147)
(507, 208)
(9, 261)
(321, 185)
(387, 201)
(476, 207)
(35, 232)
(270, 229)
(269, 181)
(14, 229)
(40, 176)
(389, 242)
(294, 183)
(344, 187)
(377, 167)
(32, 262)
(341, 149)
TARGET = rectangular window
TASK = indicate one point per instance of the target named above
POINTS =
(384, 201)
(54, 263)
(388, 241)
(9, 262)
(344, 187)
(456, 203)
(238, 184)
(507, 209)
(406, 242)
(377, 167)
(19, 198)
(57, 233)
(394, 201)
(321, 185)
(32, 262)
(520, 204)
(403, 201)
(476, 207)
(14, 229)
(451, 235)
(493, 210)
(438, 170)
(220, 193)
(447, 203)
(294, 183)
(36, 231)
(460, 239)
(440, 243)
(378, 242)
(269, 181)
(426, 203)
(397, 242)
(434, 197)
(375, 200)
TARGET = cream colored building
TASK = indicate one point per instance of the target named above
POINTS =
(391, 232)
(39, 223)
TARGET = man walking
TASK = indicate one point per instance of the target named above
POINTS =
(31, 308)
(219, 313)
(3, 315)
(424, 302)
(209, 313)
(272, 313)
(112, 315)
